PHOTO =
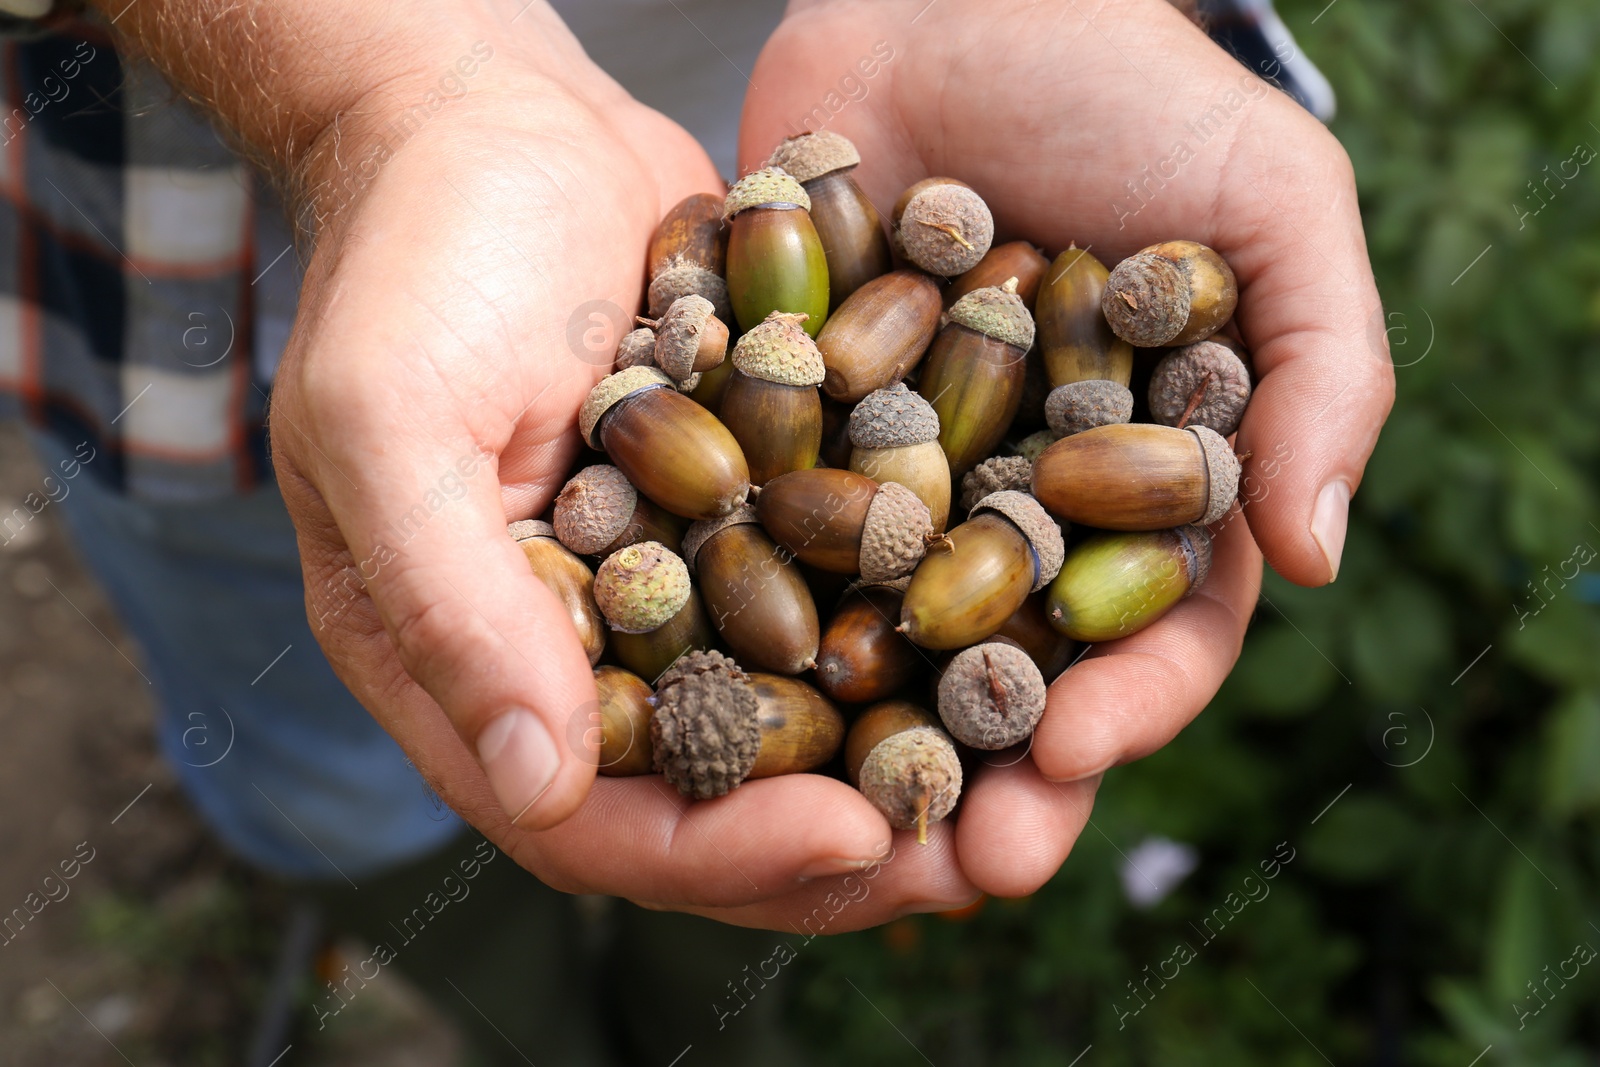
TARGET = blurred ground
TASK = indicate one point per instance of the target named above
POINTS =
(157, 951)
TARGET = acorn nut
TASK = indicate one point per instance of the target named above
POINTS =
(689, 338)
(942, 226)
(1017, 259)
(691, 233)
(1174, 293)
(775, 258)
(1076, 341)
(1079, 406)
(974, 373)
(991, 696)
(1137, 476)
(1203, 384)
(846, 523)
(1030, 627)
(895, 437)
(771, 404)
(655, 615)
(862, 657)
(878, 335)
(565, 575)
(624, 722)
(1115, 584)
(599, 511)
(904, 763)
(853, 238)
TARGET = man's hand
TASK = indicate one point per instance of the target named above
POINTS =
(1117, 124)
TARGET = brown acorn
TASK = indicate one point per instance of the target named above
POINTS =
(853, 238)
(692, 233)
(655, 614)
(565, 575)
(1079, 406)
(714, 726)
(771, 404)
(599, 511)
(756, 596)
(879, 334)
(1115, 584)
(1031, 628)
(942, 226)
(1203, 384)
(673, 450)
(974, 373)
(862, 657)
(971, 584)
(1017, 259)
(624, 722)
(845, 522)
(689, 338)
(1137, 476)
(1174, 293)
(682, 277)
(991, 696)
(895, 434)
(775, 258)
(1074, 337)
(904, 763)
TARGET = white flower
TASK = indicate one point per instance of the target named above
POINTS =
(1154, 868)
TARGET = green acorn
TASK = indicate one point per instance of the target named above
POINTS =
(775, 258)
(1115, 584)
(974, 372)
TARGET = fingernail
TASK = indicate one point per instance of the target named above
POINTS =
(520, 759)
(833, 866)
(1328, 522)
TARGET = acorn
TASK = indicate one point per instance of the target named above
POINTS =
(655, 615)
(1079, 406)
(991, 696)
(691, 233)
(710, 387)
(565, 575)
(682, 278)
(967, 587)
(599, 511)
(853, 238)
(755, 594)
(1174, 293)
(1074, 337)
(844, 522)
(974, 373)
(904, 763)
(775, 258)
(1016, 259)
(1203, 384)
(874, 338)
(942, 226)
(1115, 584)
(625, 711)
(994, 475)
(895, 437)
(1137, 476)
(1030, 627)
(714, 726)
(636, 349)
(672, 449)
(771, 404)
(862, 657)
(689, 338)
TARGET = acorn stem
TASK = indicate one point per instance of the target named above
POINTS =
(1196, 398)
(922, 817)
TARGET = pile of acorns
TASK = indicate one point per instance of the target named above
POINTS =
(745, 498)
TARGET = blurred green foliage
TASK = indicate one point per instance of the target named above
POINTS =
(1459, 872)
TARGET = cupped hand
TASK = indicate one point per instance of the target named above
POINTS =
(447, 334)
(1117, 124)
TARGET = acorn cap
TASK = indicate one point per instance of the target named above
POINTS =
(1183, 372)
(594, 508)
(1222, 473)
(895, 533)
(705, 733)
(1196, 544)
(899, 585)
(701, 532)
(1079, 406)
(612, 388)
(895, 417)
(769, 185)
(994, 475)
(523, 529)
(945, 229)
(779, 350)
(912, 777)
(678, 334)
(996, 311)
(640, 588)
(1147, 300)
(684, 277)
(1033, 444)
(638, 349)
(1036, 525)
(991, 696)
(811, 155)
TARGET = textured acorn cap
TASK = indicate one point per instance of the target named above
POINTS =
(895, 533)
(769, 185)
(991, 696)
(912, 776)
(1036, 525)
(1197, 551)
(1183, 371)
(896, 417)
(996, 311)
(779, 350)
(682, 277)
(678, 334)
(945, 229)
(1147, 300)
(1032, 445)
(995, 474)
(639, 588)
(1222, 473)
(612, 388)
(701, 532)
(1079, 406)
(638, 349)
(705, 733)
(523, 529)
(811, 155)
(594, 508)
(899, 585)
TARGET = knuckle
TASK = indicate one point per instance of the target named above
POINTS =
(429, 636)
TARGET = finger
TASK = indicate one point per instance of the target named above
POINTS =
(1128, 698)
(1016, 828)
